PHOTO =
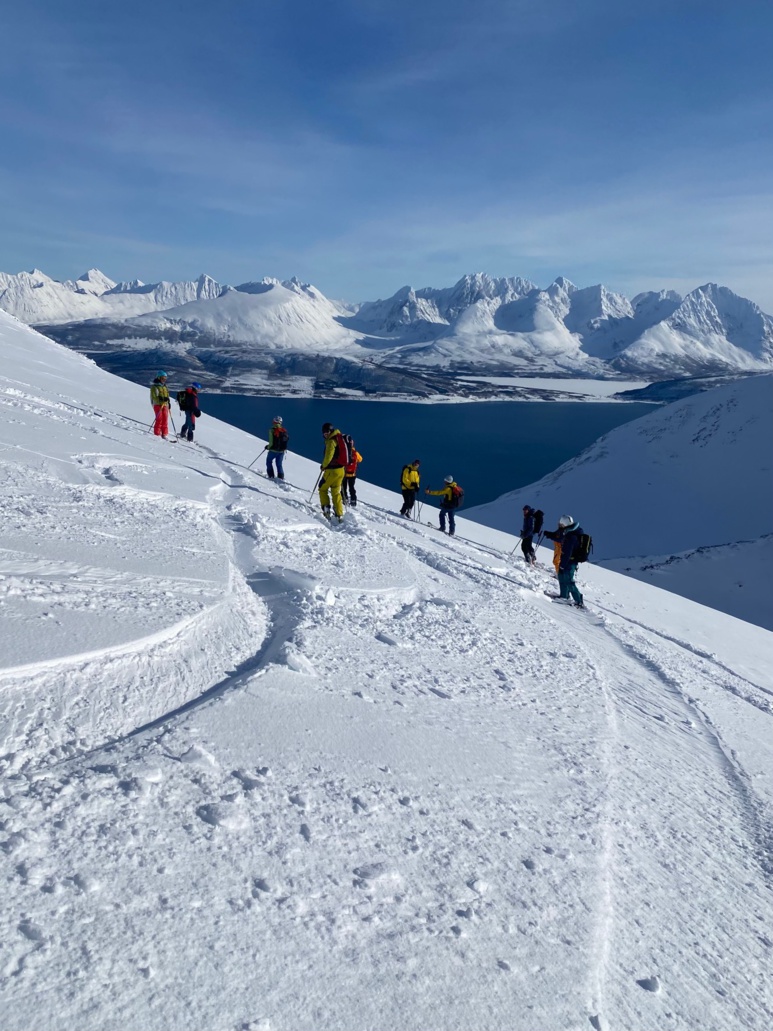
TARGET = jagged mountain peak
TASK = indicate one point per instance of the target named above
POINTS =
(93, 282)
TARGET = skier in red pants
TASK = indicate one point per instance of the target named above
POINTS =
(159, 398)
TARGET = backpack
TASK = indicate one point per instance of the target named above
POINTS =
(344, 451)
(457, 496)
(182, 400)
(584, 548)
(354, 456)
(539, 518)
(281, 439)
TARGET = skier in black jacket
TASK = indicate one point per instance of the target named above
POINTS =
(567, 568)
(527, 535)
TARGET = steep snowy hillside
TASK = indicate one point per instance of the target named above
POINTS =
(686, 481)
(258, 772)
(268, 315)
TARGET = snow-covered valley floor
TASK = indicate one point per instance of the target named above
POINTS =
(262, 774)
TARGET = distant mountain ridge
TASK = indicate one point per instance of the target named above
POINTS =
(482, 325)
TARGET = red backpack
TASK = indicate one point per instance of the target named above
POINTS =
(344, 451)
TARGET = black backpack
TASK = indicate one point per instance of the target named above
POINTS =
(350, 448)
(281, 439)
(182, 400)
(539, 518)
(584, 548)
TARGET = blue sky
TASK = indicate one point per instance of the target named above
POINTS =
(363, 145)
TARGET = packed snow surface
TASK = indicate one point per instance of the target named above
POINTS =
(263, 773)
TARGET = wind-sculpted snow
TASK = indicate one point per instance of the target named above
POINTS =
(260, 772)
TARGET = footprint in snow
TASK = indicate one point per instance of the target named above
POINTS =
(250, 781)
(650, 984)
(386, 639)
(529, 864)
(198, 756)
(224, 814)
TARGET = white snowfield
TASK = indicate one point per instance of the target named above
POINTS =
(259, 773)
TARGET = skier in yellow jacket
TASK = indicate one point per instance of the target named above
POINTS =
(159, 398)
(333, 468)
(409, 484)
(452, 495)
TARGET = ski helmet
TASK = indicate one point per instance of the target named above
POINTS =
(196, 386)
(565, 520)
(277, 420)
(161, 375)
(327, 427)
(416, 462)
(449, 479)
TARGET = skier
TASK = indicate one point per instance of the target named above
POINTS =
(334, 462)
(350, 475)
(567, 567)
(555, 536)
(278, 439)
(189, 403)
(409, 484)
(159, 398)
(527, 535)
(451, 494)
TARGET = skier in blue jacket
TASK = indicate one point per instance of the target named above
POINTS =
(567, 568)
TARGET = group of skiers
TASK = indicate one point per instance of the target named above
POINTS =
(338, 476)
(187, 400)
(571, 545)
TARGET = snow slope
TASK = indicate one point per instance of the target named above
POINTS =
(258, 773)
(684, 482)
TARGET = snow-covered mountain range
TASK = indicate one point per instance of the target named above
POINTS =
(260, 773)
(483, 325)
(682, 498)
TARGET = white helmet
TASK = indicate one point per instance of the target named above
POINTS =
(278, 420)
(565, 520)
(449, 479)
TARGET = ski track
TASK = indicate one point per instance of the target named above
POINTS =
(295, 623)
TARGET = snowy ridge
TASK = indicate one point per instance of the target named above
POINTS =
(505, 325)
(694, 475)
(34, 297)
(246, 756)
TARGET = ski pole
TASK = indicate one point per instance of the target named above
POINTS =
(255, 459)
(316, 484)
(517, 542)
(172, 420)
